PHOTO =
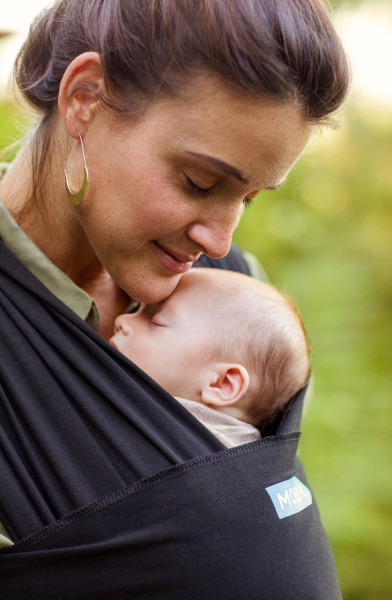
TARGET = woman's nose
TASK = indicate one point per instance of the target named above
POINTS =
(214, 232)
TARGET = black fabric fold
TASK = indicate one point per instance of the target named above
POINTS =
(200, 530)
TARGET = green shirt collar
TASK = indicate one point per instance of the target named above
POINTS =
(48, 274)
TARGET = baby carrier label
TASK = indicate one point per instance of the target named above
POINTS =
(289, 497)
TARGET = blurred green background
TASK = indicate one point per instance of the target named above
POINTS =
(326, 238)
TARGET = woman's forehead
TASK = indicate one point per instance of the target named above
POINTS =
(258, 139)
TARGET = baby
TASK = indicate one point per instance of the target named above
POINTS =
(230, 348)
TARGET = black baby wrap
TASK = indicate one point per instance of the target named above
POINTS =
(111, 490)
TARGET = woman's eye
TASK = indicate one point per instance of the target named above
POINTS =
(196, 189)
(206, 191)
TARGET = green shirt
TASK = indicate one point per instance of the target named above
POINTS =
(48, 274)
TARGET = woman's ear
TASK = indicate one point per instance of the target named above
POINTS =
(228, 384)
(78, 93)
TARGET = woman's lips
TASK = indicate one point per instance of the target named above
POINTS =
(173, 260)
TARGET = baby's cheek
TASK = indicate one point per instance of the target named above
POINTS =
(124, 344)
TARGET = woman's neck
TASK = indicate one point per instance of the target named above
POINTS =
(53, 227)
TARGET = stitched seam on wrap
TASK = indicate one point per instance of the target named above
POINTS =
(143, 484)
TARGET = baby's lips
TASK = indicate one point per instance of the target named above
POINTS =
(112, 343)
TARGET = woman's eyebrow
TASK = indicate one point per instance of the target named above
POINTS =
(221, 166)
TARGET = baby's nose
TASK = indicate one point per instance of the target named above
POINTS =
(123, 323)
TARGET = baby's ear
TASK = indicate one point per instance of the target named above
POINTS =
(227, 384)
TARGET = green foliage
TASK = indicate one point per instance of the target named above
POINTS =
(13, 125)
(326, 238)
(334, 5)
(6, 126)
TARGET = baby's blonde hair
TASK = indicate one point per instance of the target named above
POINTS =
(265, 333)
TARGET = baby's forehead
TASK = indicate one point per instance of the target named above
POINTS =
(231, 294)
(231, 284)
(212, 278)
(208, 287)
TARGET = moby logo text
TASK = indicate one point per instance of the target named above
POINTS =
(289, 497)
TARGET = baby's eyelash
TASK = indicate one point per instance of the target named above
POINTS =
(247, 202)
(196, 189)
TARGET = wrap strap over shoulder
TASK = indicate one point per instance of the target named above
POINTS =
(110, 489)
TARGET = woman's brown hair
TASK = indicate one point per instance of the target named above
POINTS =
(282, 50)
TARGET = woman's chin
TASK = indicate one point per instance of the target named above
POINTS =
(153, 290)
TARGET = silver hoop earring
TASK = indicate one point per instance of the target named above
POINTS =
(76, 199)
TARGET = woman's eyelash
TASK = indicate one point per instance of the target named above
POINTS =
(206, 191)
(196, 189)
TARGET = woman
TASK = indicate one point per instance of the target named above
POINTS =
(169, 117)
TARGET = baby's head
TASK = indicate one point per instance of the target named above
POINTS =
(221, 338)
